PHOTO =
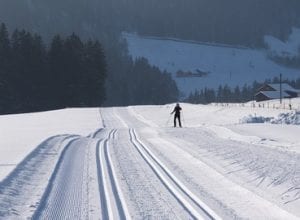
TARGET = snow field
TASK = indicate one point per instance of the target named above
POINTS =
(66, 195)
(70, 192)
(151, 200)
(147, 196)
(134, 165)
(21, 192)
(243, 207)
(255, 157)
(20, 134)
(205, 211)
(244, 170)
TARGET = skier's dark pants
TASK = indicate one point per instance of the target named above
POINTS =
(178, 117)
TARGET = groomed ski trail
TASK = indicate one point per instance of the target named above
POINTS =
(21, 192)
(66, 194)
(194, 206)
(113, 204)
(166, 150)
(130, 169)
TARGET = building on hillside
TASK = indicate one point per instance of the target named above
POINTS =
(272, 91)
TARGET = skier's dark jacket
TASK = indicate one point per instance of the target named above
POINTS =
(177, 110)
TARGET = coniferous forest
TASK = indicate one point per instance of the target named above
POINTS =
(62, 71)
(226, 94)
(35, 77)
(40, 71)
(70, 72)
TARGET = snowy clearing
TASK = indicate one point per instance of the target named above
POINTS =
(130, 163)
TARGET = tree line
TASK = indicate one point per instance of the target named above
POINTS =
(291, 62)
(226, 94)
(34, 77)
(142, 84)
(69, 72)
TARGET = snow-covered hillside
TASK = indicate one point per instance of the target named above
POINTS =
(291, 48)
(130, 163)
(224, 64)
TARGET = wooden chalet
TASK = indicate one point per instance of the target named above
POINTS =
(272, 91)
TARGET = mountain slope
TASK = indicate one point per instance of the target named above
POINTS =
(223, 64)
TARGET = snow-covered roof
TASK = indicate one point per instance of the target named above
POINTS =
(285, 87)
(274, 94)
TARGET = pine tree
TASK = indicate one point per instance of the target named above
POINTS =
(57, 76)
(73, 74)
(5, 59)
(237, 94)
(220, 96)
(32, 78)
(95, 73)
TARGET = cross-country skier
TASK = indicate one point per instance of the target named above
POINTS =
(177, 110)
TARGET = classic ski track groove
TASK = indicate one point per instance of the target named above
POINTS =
(49, 187)
(20, 187)
(108, 184)
(169, 180)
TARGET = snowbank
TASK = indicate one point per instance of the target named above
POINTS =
(287, 118)
(283, 118)
(255, 119)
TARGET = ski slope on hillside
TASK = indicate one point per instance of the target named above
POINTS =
(135, 165)
(224, 64)
(291, 48)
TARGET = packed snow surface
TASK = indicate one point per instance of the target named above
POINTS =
(131, 163)
(224, 64)
(20, 134)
